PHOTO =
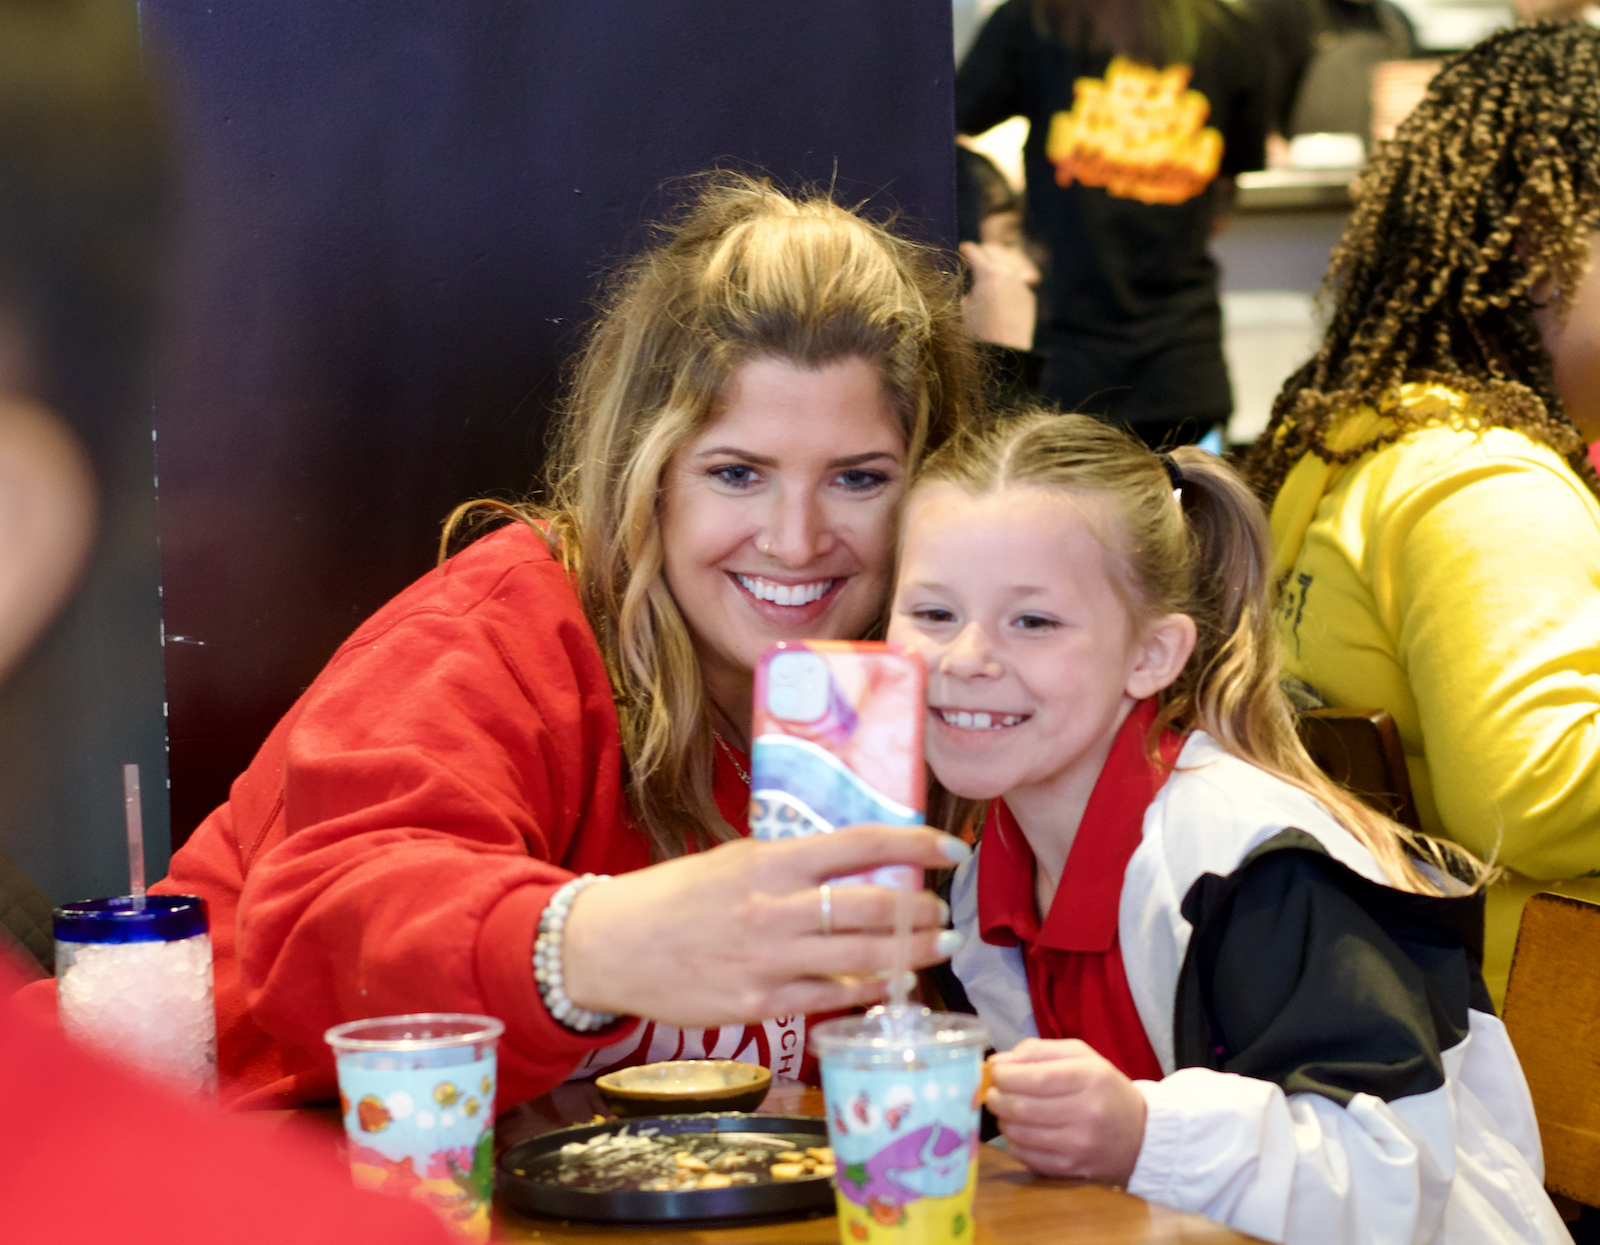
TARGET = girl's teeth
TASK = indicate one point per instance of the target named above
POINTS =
(980, 721)
(785, 594)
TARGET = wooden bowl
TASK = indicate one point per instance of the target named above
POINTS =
(685, 1086)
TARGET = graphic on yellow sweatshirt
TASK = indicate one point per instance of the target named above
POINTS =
(1141, 133)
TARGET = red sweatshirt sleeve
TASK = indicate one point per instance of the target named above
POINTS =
(402, 831)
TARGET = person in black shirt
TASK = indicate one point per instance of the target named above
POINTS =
(1127, 167)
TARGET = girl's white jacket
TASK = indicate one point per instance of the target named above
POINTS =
(1419, 1127)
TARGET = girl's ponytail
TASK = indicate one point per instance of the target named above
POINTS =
(1192, 539)
(1230, 686)
(1230, 689)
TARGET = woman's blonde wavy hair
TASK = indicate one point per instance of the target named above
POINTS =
(1208, 556)
(747, 272)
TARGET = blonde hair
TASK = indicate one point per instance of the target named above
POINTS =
(1208, 556)
(748, 272)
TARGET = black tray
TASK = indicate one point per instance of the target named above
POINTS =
(788, 1198)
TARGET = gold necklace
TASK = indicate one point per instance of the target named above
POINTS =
(733, 760)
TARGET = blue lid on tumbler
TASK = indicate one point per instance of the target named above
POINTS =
(122, 918)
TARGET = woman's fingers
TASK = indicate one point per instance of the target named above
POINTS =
(856, 955)
(847, 910)
(810, 996)
(736, 933)
(860, 909)
(802, 863)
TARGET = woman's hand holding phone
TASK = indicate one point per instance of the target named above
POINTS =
(735, 934)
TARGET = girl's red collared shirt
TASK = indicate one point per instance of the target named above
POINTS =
(1074, 961)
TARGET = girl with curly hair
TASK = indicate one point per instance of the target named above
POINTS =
(1436, 520)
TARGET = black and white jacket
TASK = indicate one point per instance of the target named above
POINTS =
(1334, 1068)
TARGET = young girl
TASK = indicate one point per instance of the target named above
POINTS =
(1215, 978)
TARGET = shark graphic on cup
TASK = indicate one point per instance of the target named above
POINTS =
(903, 1089)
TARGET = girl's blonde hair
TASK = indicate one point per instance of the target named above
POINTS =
(748, 272)
(1207, 554)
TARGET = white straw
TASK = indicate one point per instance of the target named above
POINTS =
(130, 806)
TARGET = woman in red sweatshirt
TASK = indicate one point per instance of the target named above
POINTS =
(571, 693)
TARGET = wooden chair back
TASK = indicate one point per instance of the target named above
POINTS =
(1552, 1013)
(1360, 750)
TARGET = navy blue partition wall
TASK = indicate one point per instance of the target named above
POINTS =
(397, 212)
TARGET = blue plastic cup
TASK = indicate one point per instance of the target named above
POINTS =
(417, 1096)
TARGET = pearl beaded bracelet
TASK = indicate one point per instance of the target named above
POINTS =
(547, 958)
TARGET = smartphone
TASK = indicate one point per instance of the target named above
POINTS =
(838, 742)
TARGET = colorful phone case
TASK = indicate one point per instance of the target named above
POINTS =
(838, 738)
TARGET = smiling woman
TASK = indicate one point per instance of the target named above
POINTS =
(569, 696)
(777, 521)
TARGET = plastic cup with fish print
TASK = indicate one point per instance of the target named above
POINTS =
(417, 1096)
(903, 1090)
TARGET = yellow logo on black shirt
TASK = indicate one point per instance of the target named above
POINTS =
(1140, 134)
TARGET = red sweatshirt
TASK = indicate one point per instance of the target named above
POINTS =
(393, 843)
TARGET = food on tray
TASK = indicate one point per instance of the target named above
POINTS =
(651, 1162)
(792, 1164)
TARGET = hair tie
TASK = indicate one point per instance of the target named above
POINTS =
(1174, 472)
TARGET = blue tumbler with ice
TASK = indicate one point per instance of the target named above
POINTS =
(134, 981)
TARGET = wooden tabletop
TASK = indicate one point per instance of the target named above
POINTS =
(1013, 1207)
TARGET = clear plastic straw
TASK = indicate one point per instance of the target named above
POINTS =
(900, 970)
(130, 807)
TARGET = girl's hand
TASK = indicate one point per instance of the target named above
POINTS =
(734, 934)
(1065, 1111)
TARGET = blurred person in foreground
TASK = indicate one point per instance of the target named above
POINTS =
(1436, 519)
(83, 188)
(1141, 113)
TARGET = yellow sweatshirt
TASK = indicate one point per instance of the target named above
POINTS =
(1453, 578)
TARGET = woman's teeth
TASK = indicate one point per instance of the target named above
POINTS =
(784, 594)
(980, 721)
